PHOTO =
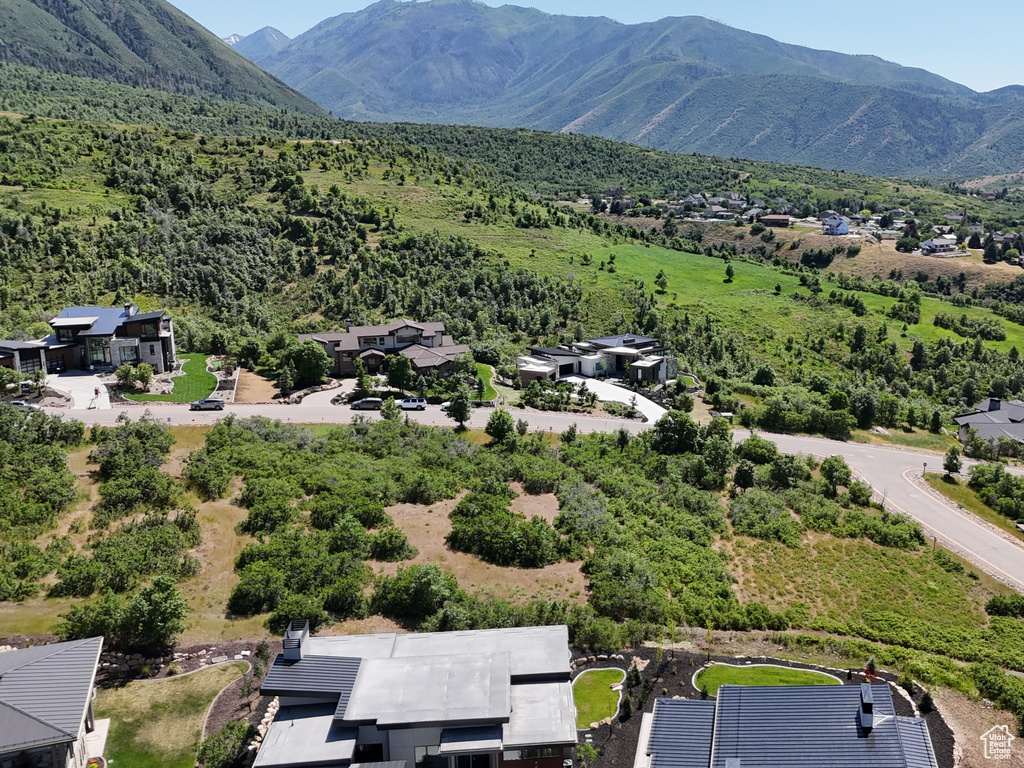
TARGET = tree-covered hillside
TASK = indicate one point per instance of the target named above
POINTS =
(147, 43)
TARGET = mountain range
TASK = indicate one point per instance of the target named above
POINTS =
(145, 43)
(683, 84)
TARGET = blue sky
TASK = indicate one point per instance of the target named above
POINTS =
(973, 44)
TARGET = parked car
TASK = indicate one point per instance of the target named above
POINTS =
(24, 405)
(413, 404)
(446, 405)
(367, 404)
(207, 404)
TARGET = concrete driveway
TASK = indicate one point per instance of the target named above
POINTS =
(81, 387)
(610, 393)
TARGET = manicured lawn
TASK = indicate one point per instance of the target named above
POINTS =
(595, 700)
(485, 372)
(196, 384)
(959, 492)
(157, 724)
(722, 674)
(688, 381)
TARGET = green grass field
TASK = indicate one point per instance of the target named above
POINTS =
(595, 700)
(196, 384)
(158, 724)
(852, 579)
(722, 674)
(485, 372)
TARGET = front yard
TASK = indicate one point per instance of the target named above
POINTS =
(196, 384)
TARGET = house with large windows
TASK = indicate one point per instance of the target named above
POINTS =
(96, 339)
(493, 698)
(629, 356)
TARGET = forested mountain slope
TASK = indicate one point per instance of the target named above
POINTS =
(683, 84)
(145, 43)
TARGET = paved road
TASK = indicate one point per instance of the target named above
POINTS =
(891, 472)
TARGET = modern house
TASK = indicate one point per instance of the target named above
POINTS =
(638, 358)
(776, 220)
(854, 726)
(46, 718)
(425, 344)
(494, 698)
(939, 244)
(96, 338)
(993, 418)
(835, 225)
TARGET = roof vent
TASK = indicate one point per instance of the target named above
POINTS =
(867, 707)
(295, 637)
(994, 403)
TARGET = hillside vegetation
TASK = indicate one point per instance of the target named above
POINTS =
(147, 43)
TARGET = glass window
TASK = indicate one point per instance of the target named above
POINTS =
(149, 330)
(129, 354)
(65, 335)
(99, 350)
(152, 350)
(473, 761)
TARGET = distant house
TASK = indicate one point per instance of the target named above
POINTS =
(425, 344)
(490, 698)
(717, 212)
(46, 716)
(855, 726)
(993, 418)
(776, 220)
(976, 229)
(940, 229)
(826, 215)
(736, 203)
(941, 244)
(858, 218)
(836, 225)
(96, 338)
(638, 358)
(753, 214)
(955, 216)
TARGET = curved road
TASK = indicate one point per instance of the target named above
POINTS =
(891, 472)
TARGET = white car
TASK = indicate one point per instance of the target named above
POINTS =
(413, 404)
(24, 405)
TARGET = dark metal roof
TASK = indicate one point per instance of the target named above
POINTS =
(19, 345)
(804, 727)
(554, 351)
(108, 319)
(314, 676)
(45, 691)
(147, 316)
(681, 733)
(917, 743)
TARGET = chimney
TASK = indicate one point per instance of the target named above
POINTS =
(348, 324)
(128, 309)
(867, 707)
(994, 403)
(294, 642)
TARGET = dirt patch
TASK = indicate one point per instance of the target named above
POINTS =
(253, 388)
(969, 720)
(426, 527)
(545, 505)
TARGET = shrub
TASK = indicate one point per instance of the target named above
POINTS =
(228, 747)
(414, 592)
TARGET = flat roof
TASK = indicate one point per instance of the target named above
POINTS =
(306, 735)
(542, 713)
(479, 738)
(431, 690)
(72, 322)
(624, 351)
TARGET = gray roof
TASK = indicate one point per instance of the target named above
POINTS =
(681, 733)
(147, 316)
(20, 345)
(431, 690)
(108, 319)
(622, 340)
(917, 743)
(312, 676)
(542, 713)
(804, 726)
(305, 736)
(1006, 412)
(45, 692)
(479, 738)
